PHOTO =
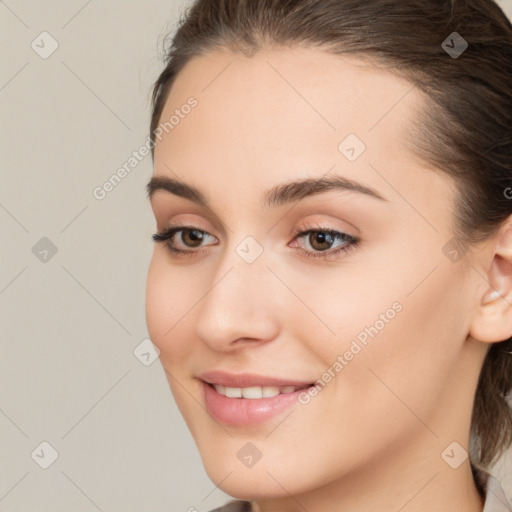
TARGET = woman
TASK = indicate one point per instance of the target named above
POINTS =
(331, 283)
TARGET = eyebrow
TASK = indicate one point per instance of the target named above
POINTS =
(275, 197)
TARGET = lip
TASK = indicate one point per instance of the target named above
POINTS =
(245, 411)
(245, 380)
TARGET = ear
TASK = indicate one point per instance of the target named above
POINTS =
(493, 319)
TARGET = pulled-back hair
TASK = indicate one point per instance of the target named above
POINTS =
(465, 130)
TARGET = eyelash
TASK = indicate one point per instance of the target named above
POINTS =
(352, 241)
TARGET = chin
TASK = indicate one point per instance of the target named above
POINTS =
(262, 481)
(249, 489)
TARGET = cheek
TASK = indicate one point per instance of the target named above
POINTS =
(169, 311)
(397, 377)
(158, 302)
(169, 301)
(407, 365)
(402, 328)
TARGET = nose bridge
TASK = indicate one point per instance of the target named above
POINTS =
(240, 302)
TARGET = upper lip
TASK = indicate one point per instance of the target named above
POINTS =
(244, 380)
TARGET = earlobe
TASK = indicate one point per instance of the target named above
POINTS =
(492, 322)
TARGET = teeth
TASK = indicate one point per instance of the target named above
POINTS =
(253, 392)
(233, 392)
(269, 391)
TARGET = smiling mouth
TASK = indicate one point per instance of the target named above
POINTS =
(250, 405)
(256, 392)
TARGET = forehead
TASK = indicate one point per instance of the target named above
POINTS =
(292, 96)
(286, 113)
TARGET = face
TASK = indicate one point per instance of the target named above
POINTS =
(346, 282)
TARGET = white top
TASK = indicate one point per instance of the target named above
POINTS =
(495, 498)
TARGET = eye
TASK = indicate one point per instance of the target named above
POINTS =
(322, 240)
(190, 238)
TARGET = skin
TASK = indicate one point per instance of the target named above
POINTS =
(372, 439)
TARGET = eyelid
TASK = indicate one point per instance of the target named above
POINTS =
(322, 226)
(170, 231)
(308, 226)
(194, 215)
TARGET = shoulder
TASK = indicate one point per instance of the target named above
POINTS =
(495, 498)
(235, 506)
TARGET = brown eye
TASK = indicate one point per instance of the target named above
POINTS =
(322, 243)
(192, 237)
(320, 240)
(183, 240)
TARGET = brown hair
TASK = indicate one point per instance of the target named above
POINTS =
(465, 129)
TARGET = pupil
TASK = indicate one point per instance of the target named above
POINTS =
(322, 238)
(195, 236)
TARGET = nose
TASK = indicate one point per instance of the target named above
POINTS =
(240, 307)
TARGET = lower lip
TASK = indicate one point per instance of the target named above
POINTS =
(246, 411)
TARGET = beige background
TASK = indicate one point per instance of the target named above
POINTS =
(71, 323)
